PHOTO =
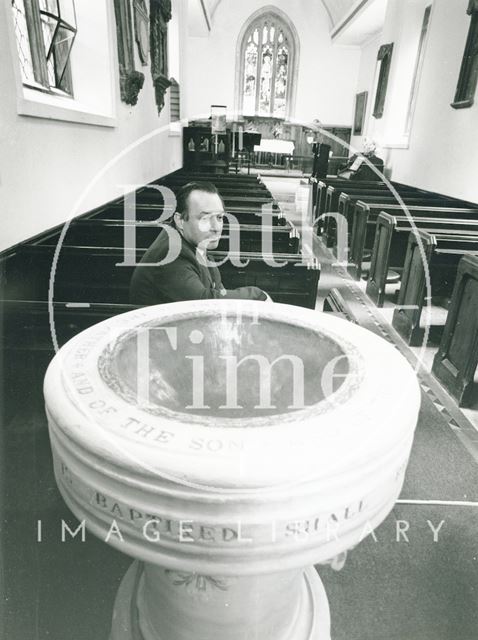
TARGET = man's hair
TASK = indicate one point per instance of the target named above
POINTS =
(182, 196)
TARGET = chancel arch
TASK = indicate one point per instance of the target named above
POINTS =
(267, 63)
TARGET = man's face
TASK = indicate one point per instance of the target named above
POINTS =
(203, 226)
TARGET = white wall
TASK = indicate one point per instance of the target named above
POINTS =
(442, 154)
(327, 74)
(46, 165)
(366, 79)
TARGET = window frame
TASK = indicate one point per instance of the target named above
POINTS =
(420, 61)
(257, 19)
(468, 78)
(40, 55)
(32, 102)
(384, 58)
(260, 24)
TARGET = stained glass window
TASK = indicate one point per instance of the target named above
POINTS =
(266, 67)
(282, 65)
(265, 97)
(250, 70)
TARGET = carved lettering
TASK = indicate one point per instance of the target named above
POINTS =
(185, 531)
(129, 421)
(164, 436)
(101, 500)
(116, 509)
(206, 533)
(135, 515)
(144, 430)
(228, 535)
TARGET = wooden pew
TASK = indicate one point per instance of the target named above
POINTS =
(331, 191)
(455, 362)
(27, 343)
(26, 277)
(26, 323)
(27, 340)
(347, 201)
(189, 176)
(365, 220)
(333, 194)
(322, 185)
(91, 274)
(238, 204)
(152, 212)
(238, 200)
(111, 233)
(391, 242)
(223, 186)
(224, 191)
(334, 197)
(215, 178)
(335, 303)
(442, 254)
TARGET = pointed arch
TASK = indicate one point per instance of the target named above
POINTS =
(276, 59)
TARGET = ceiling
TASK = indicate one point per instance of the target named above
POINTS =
(336, 9)
(366, 22)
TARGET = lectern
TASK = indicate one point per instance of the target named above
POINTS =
(228, 448)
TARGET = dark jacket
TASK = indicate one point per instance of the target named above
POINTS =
(364, 172)
(182, 279)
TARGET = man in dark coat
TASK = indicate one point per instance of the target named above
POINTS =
(181, 250)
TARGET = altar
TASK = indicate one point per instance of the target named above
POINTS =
(273, 151)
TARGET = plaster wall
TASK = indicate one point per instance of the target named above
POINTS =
(441, 153)
(50, 169)
(327, 75)
(366, 78)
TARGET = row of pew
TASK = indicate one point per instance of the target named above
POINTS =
(84, 268)
(389, 233)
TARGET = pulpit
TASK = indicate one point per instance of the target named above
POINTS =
(228, 448)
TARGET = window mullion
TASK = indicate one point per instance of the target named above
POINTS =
(37, 43)
(259, 69)
(274, 71)
(287, 79)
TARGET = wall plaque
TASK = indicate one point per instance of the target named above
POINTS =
(141, 29)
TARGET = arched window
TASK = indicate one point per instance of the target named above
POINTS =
(267, 66)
